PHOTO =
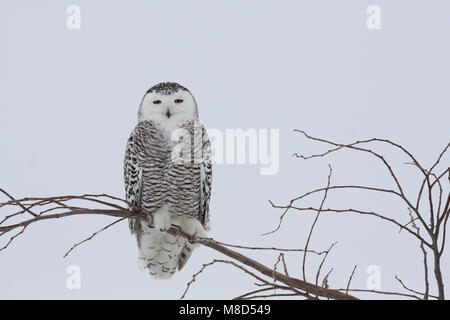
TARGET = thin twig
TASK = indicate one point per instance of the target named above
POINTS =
(350, 279)
(92, 236)
(312, 228)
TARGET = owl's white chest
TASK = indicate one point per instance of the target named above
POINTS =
(171, 129)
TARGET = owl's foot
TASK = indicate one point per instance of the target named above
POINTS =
(194, 229)
(162, 219)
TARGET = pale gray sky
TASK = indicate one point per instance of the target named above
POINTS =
(69, 101)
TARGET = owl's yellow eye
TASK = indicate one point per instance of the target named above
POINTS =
(157, 101)
(178, 100)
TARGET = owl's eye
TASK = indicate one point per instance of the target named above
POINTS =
(157, 101)
(178, 100)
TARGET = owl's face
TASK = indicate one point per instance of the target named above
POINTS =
(168, 102)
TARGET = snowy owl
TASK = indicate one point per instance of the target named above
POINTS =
(167, 171)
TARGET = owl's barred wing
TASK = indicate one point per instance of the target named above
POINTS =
(205, 180)
(133, 180)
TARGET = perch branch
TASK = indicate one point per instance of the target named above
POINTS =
(61, 207)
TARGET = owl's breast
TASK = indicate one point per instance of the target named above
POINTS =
(169, 174)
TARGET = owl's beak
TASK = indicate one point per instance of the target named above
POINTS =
(168, 114)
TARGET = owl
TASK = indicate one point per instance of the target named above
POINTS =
(167, 171)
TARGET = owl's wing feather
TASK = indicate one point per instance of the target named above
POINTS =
(205, 180)
(133, 181)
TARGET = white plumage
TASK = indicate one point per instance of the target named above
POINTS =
(167, 172)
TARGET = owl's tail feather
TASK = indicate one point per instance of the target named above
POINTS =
(160, 253)
(184, 255)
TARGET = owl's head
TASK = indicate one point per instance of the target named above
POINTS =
(168, 102)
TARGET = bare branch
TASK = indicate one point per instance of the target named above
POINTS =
(321, 265)
(92, 236)
(377, 155)
(414, 291)
(362, 212)
(312, 228)
(350, 280)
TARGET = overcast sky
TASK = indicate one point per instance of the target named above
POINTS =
(69, 100)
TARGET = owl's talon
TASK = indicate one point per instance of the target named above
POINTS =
(176, 227)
